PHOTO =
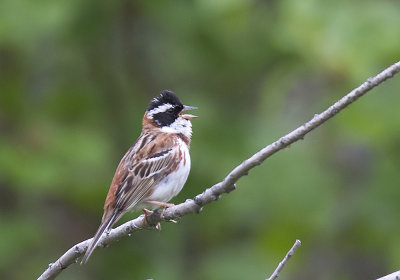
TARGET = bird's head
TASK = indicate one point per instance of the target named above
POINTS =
(167, 112)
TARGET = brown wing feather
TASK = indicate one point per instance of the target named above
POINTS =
(139, 170)
(144, 176)
(142, 167)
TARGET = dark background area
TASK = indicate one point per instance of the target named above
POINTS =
(76, 77)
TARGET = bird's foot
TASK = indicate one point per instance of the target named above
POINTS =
(160, 203)
(164, 206)
(147, 213)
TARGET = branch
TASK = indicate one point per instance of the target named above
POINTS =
(392, 276)
(291, 252)
(227, 185)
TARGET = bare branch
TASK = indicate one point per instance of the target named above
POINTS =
(392, 276)
(279, 268)
(228, 184)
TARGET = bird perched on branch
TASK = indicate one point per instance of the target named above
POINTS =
(155, 168)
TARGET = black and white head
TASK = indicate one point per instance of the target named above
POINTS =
(168, 113)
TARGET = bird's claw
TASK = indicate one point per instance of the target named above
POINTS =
(147, 213)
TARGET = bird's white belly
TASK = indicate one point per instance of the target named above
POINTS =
(172, 184)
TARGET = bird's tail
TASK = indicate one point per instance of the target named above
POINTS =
(104, 226)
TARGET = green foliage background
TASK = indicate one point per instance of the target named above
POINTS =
(76, 77)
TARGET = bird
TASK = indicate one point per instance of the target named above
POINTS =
(155, 167)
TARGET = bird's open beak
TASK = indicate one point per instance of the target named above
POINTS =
(188, 116)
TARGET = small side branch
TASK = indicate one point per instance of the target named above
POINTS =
(279, 268)
(229, 182)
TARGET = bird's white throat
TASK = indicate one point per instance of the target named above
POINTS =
(180, 125)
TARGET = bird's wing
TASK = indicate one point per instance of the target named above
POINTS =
(143, 176)
(145, 164)
(143, 167)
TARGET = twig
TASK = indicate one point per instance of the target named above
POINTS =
(228, 184)
(279, 268)
(392, 276)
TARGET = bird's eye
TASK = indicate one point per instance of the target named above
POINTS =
(170, 110)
